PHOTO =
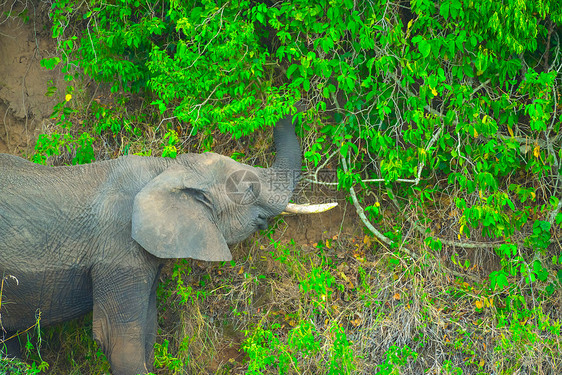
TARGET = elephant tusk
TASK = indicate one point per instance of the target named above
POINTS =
(308, 208)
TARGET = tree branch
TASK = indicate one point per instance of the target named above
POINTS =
(361, 212)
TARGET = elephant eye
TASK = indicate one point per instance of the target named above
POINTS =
(199, 195)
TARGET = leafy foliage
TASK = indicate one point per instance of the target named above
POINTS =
(447, 112)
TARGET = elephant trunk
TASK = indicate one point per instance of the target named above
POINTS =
(288, 161)
(286, 169)
(282, 178)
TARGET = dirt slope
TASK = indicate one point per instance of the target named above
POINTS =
(24, 40)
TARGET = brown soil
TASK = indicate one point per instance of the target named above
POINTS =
(24, 107)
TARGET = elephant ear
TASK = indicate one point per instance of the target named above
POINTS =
(172, 219)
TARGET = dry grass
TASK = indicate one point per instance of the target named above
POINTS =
(379, 298)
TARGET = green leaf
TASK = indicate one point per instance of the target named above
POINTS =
(498, 280)
(306, 85)
(327, 44)
(444, 10)
(559, 218)
(292, 69)
(424, 47)
(50, 63)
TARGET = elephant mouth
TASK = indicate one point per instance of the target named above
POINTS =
(261, 222)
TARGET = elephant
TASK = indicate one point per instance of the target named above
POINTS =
(94, 237)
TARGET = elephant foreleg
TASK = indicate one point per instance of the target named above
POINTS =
(151, 323)
(122, 324)
(123, 344)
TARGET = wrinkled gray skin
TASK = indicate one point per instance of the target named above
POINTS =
(94, 237)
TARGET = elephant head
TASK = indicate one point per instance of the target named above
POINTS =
(202, 203)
